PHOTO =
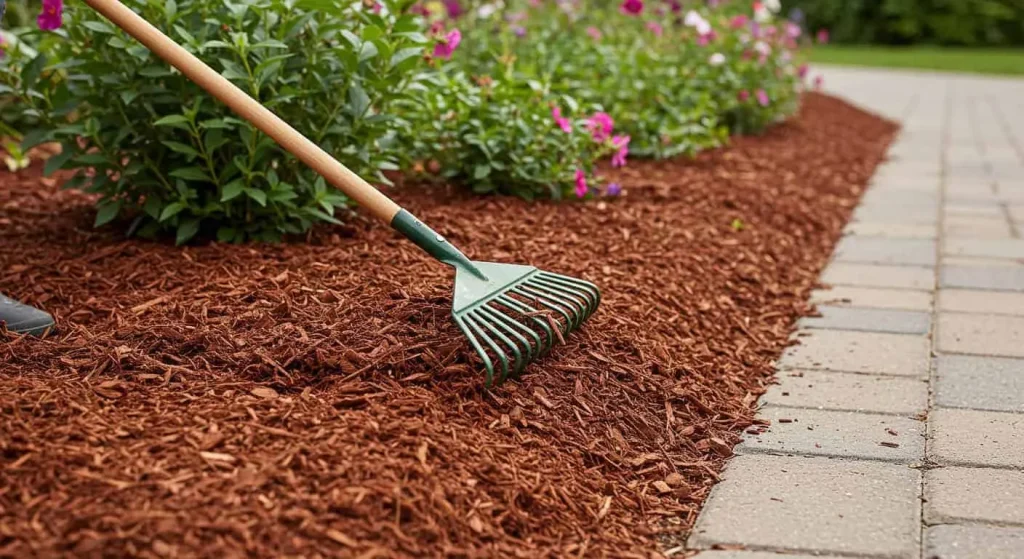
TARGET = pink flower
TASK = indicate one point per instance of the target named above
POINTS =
(52, 15)
(823, 36)
(762, 98)
(705, 39)
(655, 28)
(818, 81)
(739, 22)
(562, 122)
(621, 145)
(632, 7)
(743, 95)
(802, 71)
(600, 126)
(614, 189)
(792, 30)
(675, 6)
(453, 8)
(448, 44)
(581, 183)
(420, 9)
(594, 33)
(2, 44)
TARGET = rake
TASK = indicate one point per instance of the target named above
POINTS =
(511, 314)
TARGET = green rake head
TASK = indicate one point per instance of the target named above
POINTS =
(512, 314)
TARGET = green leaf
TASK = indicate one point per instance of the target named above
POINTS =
(30, 73)
(172, 209)
(186, 231)
(358, 100)
(226, 234)
(258, 195)
(98, 27)
(171, 120)
(368, 51)
(34, 138)
(481, 171)
(191, 174)
(232, 190)
(106, 211)
(56, 162)
(406, 54)
(181, 148)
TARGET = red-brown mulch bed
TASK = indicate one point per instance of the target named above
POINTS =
(314, 398)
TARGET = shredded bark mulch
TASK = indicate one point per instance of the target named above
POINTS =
(314, 399)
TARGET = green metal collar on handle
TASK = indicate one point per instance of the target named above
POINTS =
(433, 243)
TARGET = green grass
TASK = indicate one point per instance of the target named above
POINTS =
(981, 61)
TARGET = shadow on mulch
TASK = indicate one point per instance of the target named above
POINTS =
(314, 399)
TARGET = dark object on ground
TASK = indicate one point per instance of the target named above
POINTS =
(23, 319)
(297, 400)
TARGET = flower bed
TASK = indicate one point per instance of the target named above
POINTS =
(313, 398)
(521, 97)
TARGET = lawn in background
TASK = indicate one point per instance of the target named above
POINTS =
(982, 61)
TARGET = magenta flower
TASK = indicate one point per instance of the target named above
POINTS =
(52, 15)
(802, 71)
(448, 44)
(594, 33)
(819, 81)
(632, 7)
(655, 28)
(675, 6)
(823, 36)
(581, 183)
(792, 30)
(2, 44)
(453, 8)
(621, 144)
(562, 122)
(739, 22)
(614, 189)
(519, 31)
(600, 126)
(743, 95)
(762, 98)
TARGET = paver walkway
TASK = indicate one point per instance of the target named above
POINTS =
(897, 429)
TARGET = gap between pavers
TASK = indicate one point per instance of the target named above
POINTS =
(813, 505)
(739, 554)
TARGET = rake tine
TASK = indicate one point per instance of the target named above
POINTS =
(488, 364)
(529, 311)
(494, 330)
(539, 297)
(594, 294)
(532, 348)
(500, 329)
(572, 293)
(480, 330)
(541, 291)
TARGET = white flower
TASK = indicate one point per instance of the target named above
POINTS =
(716, 59)
(773, 5)
(761, 14)
(487, 10)
(692, 19)
(703, 27)
(763, 48)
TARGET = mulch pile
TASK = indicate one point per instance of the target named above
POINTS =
(314, 398)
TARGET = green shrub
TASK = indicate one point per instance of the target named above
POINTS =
(901, 22)
(160, 150)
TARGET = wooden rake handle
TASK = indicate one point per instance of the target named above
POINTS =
(341, 177)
